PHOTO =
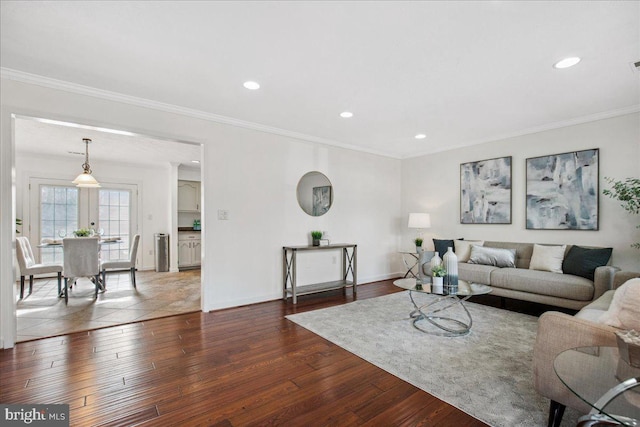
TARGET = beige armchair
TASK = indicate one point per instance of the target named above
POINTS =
(558, 332)
(129, 264)
(28, 266)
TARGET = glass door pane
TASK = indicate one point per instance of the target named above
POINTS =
(58, 218)
(114, 219)
(58, 209)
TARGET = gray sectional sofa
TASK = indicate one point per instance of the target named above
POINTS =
(544, 287)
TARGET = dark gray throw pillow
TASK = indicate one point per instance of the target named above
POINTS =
(584, 261)
(441, 245)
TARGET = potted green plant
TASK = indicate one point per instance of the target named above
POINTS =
(315, 237)
(628, 192)
(18, 223)
(418, 241)
(437, 276)
(82, 232)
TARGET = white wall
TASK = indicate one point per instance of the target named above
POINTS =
(152, 183)
(188, 174)
(251, 174)
(432, 184)
(256, 180)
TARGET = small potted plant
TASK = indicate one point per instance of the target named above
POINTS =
(82, 232)
(315, 237)
(418, 242)
(437, 276)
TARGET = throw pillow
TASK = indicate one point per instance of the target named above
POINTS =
(624, 311)
(463, 249)
(547, 258)
(584, 261)
(441, 246)
(492, 256)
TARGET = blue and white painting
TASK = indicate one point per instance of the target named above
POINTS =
(321, 200)
(485, 191)
(562, 191)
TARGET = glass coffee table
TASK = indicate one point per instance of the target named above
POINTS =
(602, 380)
(449, 304)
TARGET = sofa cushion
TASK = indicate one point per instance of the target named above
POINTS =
(441, 245)
(547, 258)
(593, 311)
(463, 249)
(543, 283)
(492, 256)
(475, 273)
(584, 261)
(624, 311)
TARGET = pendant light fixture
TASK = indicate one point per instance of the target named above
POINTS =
(85, 179)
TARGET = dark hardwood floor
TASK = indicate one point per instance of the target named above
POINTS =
(237, 367)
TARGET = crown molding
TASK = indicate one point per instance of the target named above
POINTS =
(23, 77)
(536, 129)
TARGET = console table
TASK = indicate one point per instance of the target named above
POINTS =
(349, 267)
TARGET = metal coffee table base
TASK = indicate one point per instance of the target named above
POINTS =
(451, 327)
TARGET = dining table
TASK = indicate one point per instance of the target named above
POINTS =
(57, 243)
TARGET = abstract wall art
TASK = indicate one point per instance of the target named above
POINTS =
(485, 191)
(562, 191)
(321, 200)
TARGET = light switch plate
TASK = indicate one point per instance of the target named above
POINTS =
(223, 214)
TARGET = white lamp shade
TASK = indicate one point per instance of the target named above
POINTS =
(419, 220)
(86, 180)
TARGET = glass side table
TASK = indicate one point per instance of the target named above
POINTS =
(410, 260)
(602, 380)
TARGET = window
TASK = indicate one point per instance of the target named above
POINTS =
(57, 209)
(114, 210)
(58, 217)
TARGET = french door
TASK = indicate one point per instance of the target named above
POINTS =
(57, 209)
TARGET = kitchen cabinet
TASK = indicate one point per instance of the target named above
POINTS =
(188, 196)
(189, 247)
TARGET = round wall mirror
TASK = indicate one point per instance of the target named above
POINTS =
(315, 193)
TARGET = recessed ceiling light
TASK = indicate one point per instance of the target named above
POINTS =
(195, 161)
(251, 85)
(420, 136)
(567, 62)
(346, 114)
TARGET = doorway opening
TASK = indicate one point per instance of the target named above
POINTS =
(137, 174)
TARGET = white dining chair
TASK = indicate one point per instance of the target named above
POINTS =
(28, 266)
(123, 264)
(80, 260)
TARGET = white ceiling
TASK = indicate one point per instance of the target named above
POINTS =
(50, 139)
(460, 72)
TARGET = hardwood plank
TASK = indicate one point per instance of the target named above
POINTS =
(235, 367)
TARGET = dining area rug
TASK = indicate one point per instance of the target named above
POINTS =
(487, 373)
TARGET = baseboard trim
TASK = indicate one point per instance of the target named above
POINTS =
(272, 297)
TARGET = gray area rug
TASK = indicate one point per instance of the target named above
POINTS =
(487, 373)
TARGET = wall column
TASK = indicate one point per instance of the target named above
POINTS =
(173, 218)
